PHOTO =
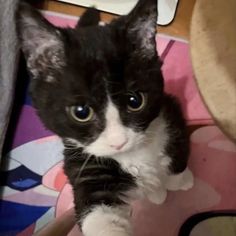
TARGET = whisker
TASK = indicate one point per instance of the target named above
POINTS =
(116, 93)
(83, 166)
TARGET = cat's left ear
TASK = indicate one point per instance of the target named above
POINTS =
(91, 17)
(140, 26)
(41, 42)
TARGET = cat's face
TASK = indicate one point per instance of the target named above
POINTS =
(98, 87)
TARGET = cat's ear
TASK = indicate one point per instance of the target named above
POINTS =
(89, 18)
(41, 42)
(140, 25)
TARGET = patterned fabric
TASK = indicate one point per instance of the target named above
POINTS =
(34, 189)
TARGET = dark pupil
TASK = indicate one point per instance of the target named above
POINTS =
(82, 112)
(134, 100)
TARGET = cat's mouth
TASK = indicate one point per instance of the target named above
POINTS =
(109, 150)
(120, 146)
(106, 149)
(107, 145)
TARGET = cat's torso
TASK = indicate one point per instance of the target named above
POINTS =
(148, 163)
(147, 166)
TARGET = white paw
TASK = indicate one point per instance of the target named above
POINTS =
(183, 181)
(157, 197)
(107, 221)
(115, 233)
(187, 181)
(109, 232)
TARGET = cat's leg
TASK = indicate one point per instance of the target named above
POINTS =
(158, 196)
(181, 181)
(103, 220)
(101, 195)
(150, 185)
(179, 177)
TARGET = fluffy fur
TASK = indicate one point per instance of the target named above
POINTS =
(118, 155)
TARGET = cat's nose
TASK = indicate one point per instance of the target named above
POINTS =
(119, 146)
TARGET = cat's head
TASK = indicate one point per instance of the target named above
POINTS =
(98, 87)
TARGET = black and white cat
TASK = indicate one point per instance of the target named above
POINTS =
(101, 89)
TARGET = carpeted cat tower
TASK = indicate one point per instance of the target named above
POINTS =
(213, 51)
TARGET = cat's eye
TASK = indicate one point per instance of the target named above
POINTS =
(136, 101)
(81, 113)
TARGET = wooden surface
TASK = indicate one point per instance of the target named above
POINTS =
(180, 27)
(213, 49)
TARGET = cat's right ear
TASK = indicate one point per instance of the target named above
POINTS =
(139, 28)
(40, 41)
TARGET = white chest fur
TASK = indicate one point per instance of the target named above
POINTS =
(148, 163)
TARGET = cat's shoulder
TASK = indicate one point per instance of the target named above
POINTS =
(172, 112)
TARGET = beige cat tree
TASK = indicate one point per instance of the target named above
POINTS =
(213, 49)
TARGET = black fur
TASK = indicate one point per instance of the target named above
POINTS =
(178, 146)
(96, 59)
(91, 61)
(100, 181)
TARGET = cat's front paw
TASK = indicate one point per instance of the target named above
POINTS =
(107, 221)
(116, 233)
(188, 180)
(183, 181)
(157, 197)
(108, 232)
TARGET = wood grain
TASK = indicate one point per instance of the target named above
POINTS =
(180, 27)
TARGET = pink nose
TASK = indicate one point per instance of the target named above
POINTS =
(119, 146)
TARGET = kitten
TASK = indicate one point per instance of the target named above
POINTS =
(100, 88)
